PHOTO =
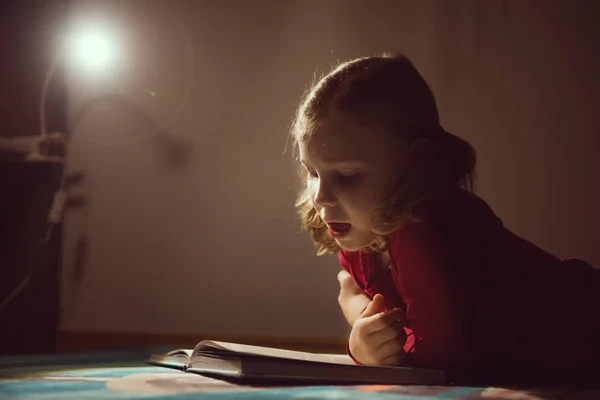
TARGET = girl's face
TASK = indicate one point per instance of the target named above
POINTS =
(352, 170)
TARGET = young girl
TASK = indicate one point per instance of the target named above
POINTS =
(445, 284)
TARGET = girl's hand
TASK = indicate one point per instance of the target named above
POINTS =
(377, 337)
(351, 299)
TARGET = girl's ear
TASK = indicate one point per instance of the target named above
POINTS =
(418, 146)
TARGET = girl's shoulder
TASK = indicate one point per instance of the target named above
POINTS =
(458, 214)
(459, 218)
(458, 203)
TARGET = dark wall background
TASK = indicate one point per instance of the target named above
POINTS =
(29, 31)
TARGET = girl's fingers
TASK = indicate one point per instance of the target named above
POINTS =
(383, 320)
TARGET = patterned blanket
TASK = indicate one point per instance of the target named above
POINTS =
(124, 375)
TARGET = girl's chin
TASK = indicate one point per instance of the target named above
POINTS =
(352, 245)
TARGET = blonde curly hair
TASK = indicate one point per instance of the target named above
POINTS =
(389, 92)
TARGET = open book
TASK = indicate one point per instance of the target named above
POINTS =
(240, 362)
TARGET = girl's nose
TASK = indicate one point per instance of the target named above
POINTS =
(324, 196)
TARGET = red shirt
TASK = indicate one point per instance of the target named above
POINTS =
(482, 302)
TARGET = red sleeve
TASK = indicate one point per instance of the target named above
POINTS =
(346, 262)
(351, 262)
(428, 277)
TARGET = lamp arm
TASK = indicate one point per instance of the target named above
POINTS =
(44, 94)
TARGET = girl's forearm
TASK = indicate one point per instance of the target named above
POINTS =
(352, 305)
(351, 299)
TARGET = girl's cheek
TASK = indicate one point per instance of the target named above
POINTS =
(311, 186)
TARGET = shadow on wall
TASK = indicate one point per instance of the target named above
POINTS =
(174, 151)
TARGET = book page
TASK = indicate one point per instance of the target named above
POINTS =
(179, 358)
(180, 352)
(274, 352)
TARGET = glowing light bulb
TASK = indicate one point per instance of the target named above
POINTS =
(94, 49)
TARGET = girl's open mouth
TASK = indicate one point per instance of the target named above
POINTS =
(339, 229)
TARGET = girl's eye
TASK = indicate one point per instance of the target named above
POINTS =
(348, 178)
